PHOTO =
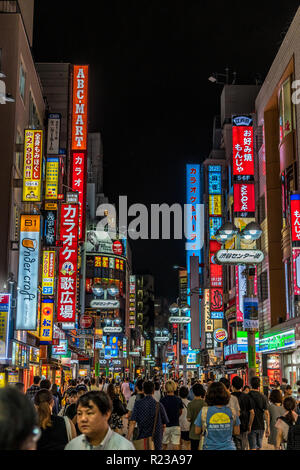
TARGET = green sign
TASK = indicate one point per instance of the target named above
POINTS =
(284, 340)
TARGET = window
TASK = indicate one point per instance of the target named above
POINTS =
(263, 286)
(34, 121)
(285, 110)
(22, 81)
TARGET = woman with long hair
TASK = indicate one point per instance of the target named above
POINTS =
(119, 408)
(275, 410)
(56, 431)
(217, 422)
(289, 418)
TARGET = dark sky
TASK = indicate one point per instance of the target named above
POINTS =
(149, 91)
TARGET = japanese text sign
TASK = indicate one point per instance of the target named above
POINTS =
(52, 172)
(244, 199)
(296, 270)
(26, 318)
(53, 134)
(243, 148)
(33, 154)
(66, 303)
(80, 105)
(4, 324)
(79, 184)
(48, 274)
(193, 200)
(295, 217)
(46, 327)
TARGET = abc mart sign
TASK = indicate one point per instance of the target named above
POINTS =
(239, 257)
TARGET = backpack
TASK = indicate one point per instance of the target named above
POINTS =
(293, 440)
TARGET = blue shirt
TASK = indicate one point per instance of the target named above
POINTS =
(144, 414)
(219, 428)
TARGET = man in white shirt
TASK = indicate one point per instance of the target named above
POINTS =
(93, 413)
(233, 402)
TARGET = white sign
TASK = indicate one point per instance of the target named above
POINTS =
(161, 339)
(112, 329)
(105, 304)
(239, 257)
(180, 320)
(134, 353)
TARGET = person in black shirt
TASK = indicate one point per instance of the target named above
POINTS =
(173, 406)
(56, 431)
(260, 406)
(246, 414)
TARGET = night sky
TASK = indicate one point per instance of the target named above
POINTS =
(149, 91)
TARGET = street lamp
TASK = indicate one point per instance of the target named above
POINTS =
(248, 235)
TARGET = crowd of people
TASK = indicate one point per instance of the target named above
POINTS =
(157, 414)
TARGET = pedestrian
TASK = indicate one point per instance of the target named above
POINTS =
(157, 393)
(191, 395)
(246, 389)
(56, 393)
(184, 424)
(151, 419)
(233, 402)
(18, 421)
(93, 414)
(173, 406)
(125, 388)
(275, 410)
(69, 409)
(288, 392)
(217, 421)
(260, 406)
(288, 427)
(46, 384)
(105, 386)
(118, 410)
(137, 395)
(56, 431)
(93, 386)
(193, 411)
(284, 383)
(31, 391)
(246, 414)
(19, 386)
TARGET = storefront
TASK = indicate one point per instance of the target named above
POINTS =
(280, 356)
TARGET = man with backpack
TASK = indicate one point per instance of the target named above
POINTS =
(260, 406)
(246, 413)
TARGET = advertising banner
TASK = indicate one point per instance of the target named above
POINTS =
(33, 156)
(66, 303)
(284, 340)
(4, 324)
(53, 134)
(216, 300)
(193, 175)
(296, 270)
(295, 217)
(52, 173)
(46, 321)
(215, 205)
(61, 349)
(209, 340)
(251, 313)
(244, 200)
(80, 107)
(50, 228)
(26, 317)
(48, 274)
(243, 148)
(78, 183)
(215, 179)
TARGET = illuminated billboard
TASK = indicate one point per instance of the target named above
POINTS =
(243, 148)
(78, 183)
(244, 200)
(66, 303)
(33, 157)
(46, 328)
(48, 273)
(26, 318)
(80, 107)
(52, 173)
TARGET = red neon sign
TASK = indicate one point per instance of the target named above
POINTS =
(244, 198)
(66, 303)
(243, 150)
(78, 183)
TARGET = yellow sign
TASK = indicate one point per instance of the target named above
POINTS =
(46, 320)
(30, 223)
(52, 172)
(215, 205)
(209, 324)
(148, 347)
(2, 379)
(50, 206)
(33, 155)
(48, 273)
